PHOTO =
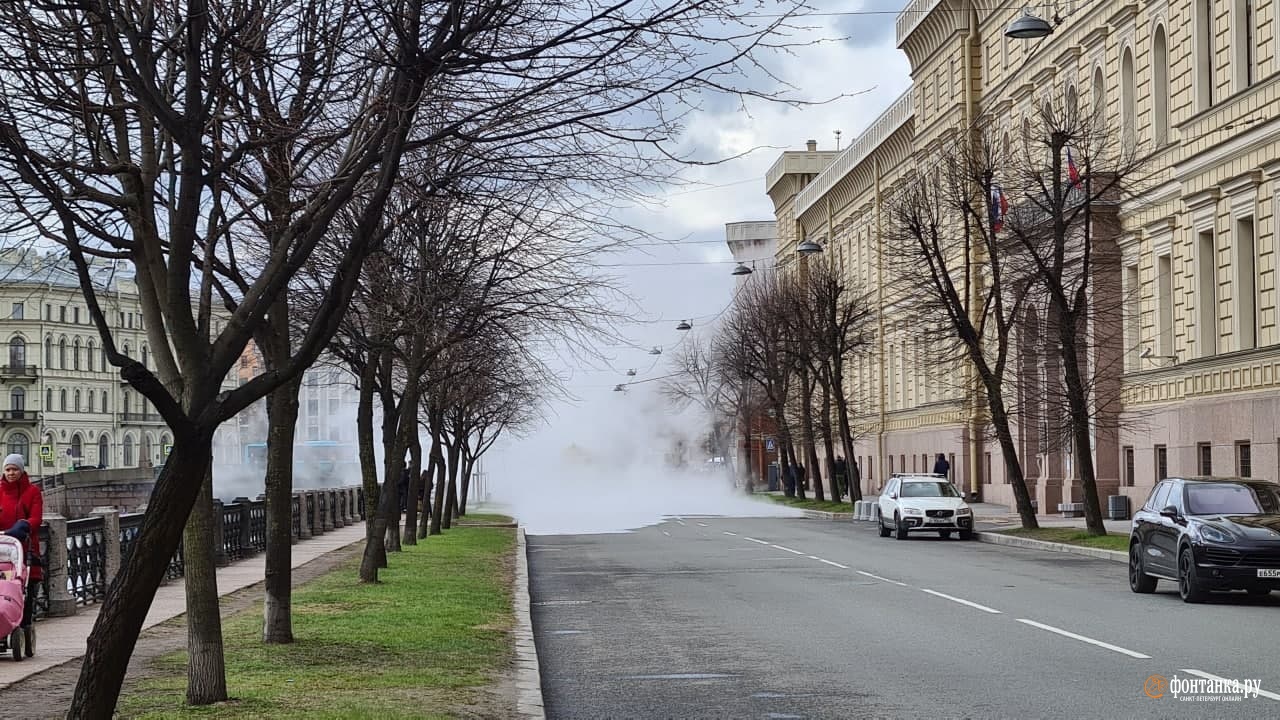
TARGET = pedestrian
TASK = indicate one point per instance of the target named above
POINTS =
(842, 475)
(941, 466)
(21, 514)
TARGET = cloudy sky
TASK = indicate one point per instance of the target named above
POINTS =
(691, 280)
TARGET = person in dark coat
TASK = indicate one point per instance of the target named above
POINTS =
(842, 475)
(21, 514)
(941, 466)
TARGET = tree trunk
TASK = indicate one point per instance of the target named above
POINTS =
(795, 463)
(374, 551)
(390, 475)
(437, 512)
(828, 444)
(846, 439)
(451, 500)
(1078, 405)
(428, 480)
(415, 482)
(282, 418)
(128, 599)
(468, 464)
(206, 670)
(814, 474)
(1012, 464)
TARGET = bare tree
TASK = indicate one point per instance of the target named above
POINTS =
(700, 380)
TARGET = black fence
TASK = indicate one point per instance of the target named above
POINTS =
(244, 534)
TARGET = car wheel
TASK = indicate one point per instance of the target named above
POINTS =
(1259, 591)
(884, 531)
(1139, 581)
(1188, 588)
(944, 534)
(901, 525)
(966, 534)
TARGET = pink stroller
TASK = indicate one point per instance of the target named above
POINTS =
(13, 588)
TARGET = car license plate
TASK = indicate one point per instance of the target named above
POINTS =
(1269, 572)
(946, 521)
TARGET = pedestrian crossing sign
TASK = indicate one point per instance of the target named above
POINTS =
(168, 448)
(46, 452)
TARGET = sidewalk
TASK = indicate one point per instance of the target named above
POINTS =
(990, 516)
(62, 639)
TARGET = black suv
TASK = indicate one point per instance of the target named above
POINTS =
(1207, 534)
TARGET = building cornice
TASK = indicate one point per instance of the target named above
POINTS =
(1202, 199)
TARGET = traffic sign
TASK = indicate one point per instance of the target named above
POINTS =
(46, 452)
(770, 445)
(168, 448)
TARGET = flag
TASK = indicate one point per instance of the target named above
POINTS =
(1073, 172)
(998, 208)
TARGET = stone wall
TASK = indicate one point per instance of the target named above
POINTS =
(74, 495)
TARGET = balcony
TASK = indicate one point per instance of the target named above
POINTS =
(19, 417)
(138, 418)
(18, 372)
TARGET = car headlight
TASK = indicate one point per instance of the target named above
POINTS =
(912, 511)
(1215, 535)
(964, 511)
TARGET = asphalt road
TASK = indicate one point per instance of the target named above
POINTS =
(792, 618)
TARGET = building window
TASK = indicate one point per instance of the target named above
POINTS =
(62, 314)
(334, 406)
(1243, 44)
(1207, 293)
(1162, 463)
(104, 450)
(75, 354)
(17, 311)
(1128, 467)
(62, 399)
(48, 399)
(1244, 459)
(313, 408)
(146, 451)
(104, 402)
(130, 321)
(1160, 87)
(48, 352)
(91, 403)
(76, 397)
(126, 403)
(77, 446)
(313, 432)
(146, 356)
(62, 354)
(1164, 301)
(1132, 315)
(890, 466)
(1204, 452)
(1128, 104)
(1203, 63)
(103, 359)
(1246, 285)
(986, 468)
(48, 312)
(128, 451)
(20, 444)
(17, 353)
(18, 402)
(1099, 96)
(76, 315)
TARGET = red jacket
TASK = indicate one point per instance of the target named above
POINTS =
(20, 500)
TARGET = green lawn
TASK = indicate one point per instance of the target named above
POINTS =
(1074, 536)
(811, 504)
(421, 644)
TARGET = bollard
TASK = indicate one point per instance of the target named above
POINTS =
(246, 530)
(335, 509)
(110, 542)
(305, 523)
(220, 558)
(317, 524)
(857, 509)
(60, 601)
(327, 514)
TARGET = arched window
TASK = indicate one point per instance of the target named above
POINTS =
(89, 353)
(165, 441)
(126, 350)
(76, 397)
(20, 444)
(77, 446)
(104, 450)
(62, 354)
(18, 402)
(91, 397)
(48, 352)
(146, 450)
(1160, 87)
(1202, 26)
(17, 353)
(75, 354)
(128, 451)
(1099, 96)
(1128, 105)
(62, 399)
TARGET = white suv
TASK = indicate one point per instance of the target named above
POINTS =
(928, 503)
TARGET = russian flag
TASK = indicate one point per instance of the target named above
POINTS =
(998, 208)
(1073, 172)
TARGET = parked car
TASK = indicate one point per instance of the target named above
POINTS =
(923, 503)
(1207, 534)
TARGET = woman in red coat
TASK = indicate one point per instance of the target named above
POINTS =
(21, 513)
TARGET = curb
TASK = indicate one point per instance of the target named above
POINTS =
(996, 538)
(824, 515)
(528, 674)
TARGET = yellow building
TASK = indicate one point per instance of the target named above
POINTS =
(1193, 82)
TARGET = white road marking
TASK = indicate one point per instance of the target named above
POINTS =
(762, 542)
(726, 532)
(882, 579)
(834, 564)
(664, 532)
(1210, 676)
(702, 525)
(1081, 638)
(679, 676)
(680, 521)
(793, 552)
(962, 601)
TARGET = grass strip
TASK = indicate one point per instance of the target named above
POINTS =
(810, 504)
(423, 643)
(1073, 536)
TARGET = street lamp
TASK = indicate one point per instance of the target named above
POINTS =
(1029, 27)
(631, 373)
(684, 325)
(656, 350)
(618, 388)
(808, 247)
(741, 270)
